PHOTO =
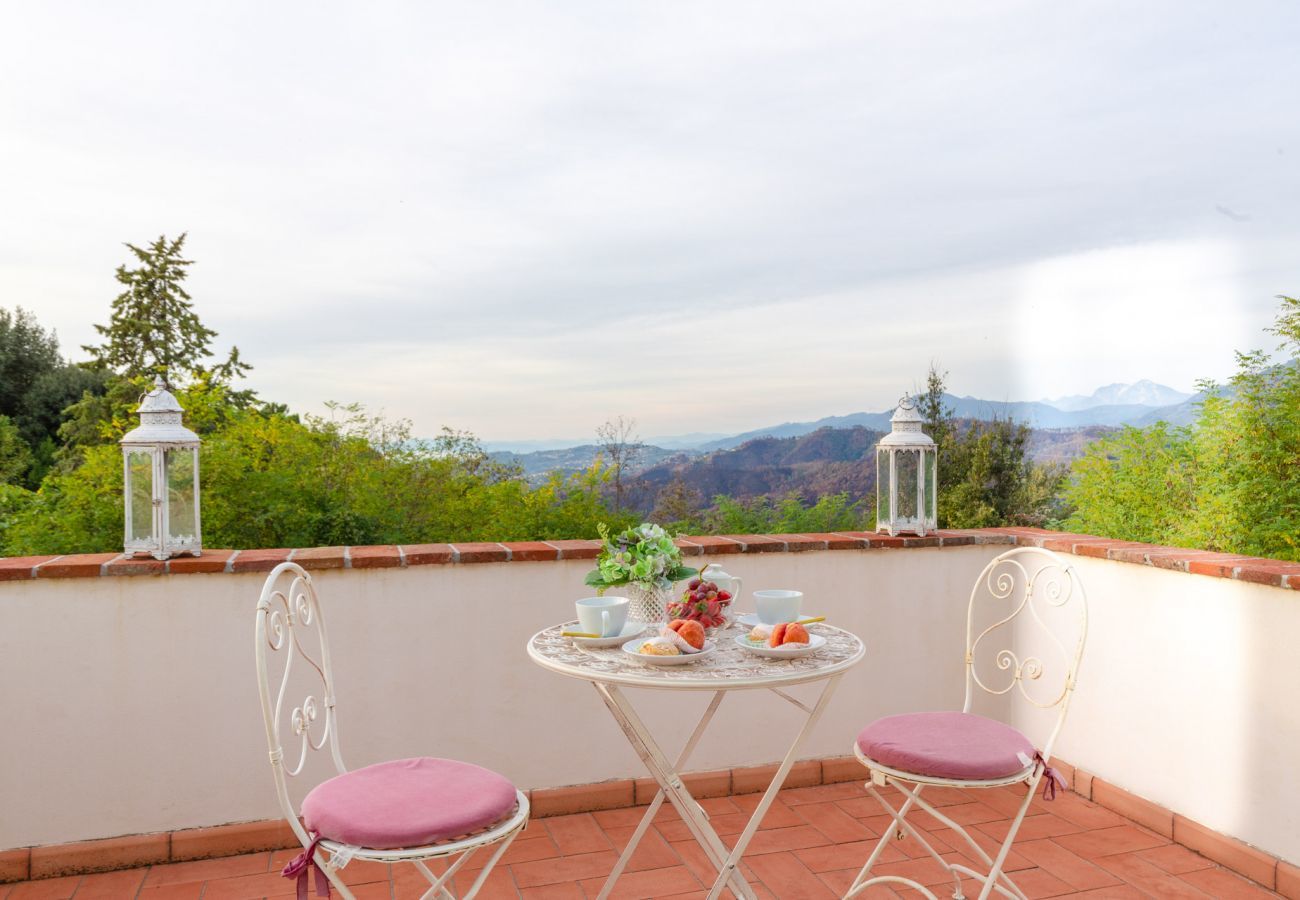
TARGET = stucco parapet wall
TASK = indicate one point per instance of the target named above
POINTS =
(1274, 572)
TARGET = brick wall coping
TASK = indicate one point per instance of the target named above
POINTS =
(1277, 573)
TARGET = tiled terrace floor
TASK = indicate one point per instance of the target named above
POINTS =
(810, 846)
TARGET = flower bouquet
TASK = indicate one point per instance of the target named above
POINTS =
(645, 560)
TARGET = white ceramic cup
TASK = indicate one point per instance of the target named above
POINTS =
(777, 606)
(604, 616)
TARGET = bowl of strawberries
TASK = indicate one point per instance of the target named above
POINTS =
(705, 602)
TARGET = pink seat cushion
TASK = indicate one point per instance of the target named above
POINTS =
(946, 745)
(407, 803)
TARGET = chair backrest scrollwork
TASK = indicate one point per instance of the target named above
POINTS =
(289, 628)
(1036, 598)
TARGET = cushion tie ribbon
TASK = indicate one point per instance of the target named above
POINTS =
(301, 864)
(1051, 778)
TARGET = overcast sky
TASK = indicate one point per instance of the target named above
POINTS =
(525, 219)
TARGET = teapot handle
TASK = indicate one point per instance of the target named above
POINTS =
(737, 584)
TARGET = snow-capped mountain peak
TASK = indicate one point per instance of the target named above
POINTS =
(1140, 393)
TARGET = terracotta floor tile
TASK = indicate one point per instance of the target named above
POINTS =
(246, 887)
(525, 849)
(694, 859)
(184, 890)
(1176, 859)
(1169, 886)
(1032, 828)
(840, 881)
(1074, 870)
(1084, 813)
(618, 818)
(1218, 882)
(46, 889)
(837, 825)
(1107, 841)
(110, 885)
(652, 853)
(1114, 892)
(961, 813)
(1130, 867)
(209, 869)
(786, 877)
(648, 885)
(576, 834)
(926, 871)
(843, 856)
(564, 868)
(776, 840)
(822, 793)
(570, 891)
(1035, 882)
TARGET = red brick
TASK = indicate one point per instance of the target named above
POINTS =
(80, 566)
(885, 540)
(258, 560)
(948, 539)
(15, 865)
(1100, 549)
(834, 541)
(321, 557)
(1227, 851)
(211, 561)
(1135, 553)
(427, 554)
(1219, 565)
(480, 552)
(384, 556)
(711, 545)
(930, 540)
(1265, 571)
(576, 549)
(98, 856)
(757, 543)
(795, 543)
(17, 568)
(531, 551)
(582, 798)
(228, 840)
(140, 565)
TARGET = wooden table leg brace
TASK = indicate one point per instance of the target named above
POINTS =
(693, 816)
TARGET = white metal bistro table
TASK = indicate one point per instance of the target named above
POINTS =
(729, 668)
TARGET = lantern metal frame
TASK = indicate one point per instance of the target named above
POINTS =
(907, 437)
(159, 434)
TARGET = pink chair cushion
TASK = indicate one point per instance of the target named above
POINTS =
(407, 803)
(946, 745)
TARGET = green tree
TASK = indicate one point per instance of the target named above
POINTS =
(1229, 482)
(153, 329)
(985, 473)
(15, 455)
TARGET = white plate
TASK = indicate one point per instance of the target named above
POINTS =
(752, 619)
(785, 651)
(630, 630)
(631, 648)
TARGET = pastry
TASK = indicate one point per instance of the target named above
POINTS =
(760, 634)
(658, 646)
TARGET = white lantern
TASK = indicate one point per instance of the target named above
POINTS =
(161, 479)
(906, 475)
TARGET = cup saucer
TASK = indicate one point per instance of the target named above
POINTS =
(752, 619)
(630, 630)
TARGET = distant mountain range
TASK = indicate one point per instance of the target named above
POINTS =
(1140, 393)
(1062, 428)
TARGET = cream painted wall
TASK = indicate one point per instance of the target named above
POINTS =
(129, 704)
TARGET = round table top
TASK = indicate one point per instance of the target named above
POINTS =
(730, 667)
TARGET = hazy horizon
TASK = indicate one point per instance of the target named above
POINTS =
(524, 221)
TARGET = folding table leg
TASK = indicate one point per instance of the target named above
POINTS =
(658, 800)
(670, 784)
(731, 865)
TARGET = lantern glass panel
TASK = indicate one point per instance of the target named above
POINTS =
(139, 464)
(931, 467)
(882, 486)
(180, 493)
(909, 470)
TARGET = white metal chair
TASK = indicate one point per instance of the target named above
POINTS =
(391, 801)
(1040, 597)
